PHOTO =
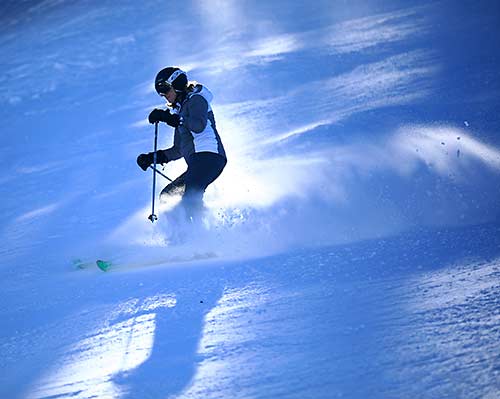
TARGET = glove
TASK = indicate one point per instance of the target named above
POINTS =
(146, 160)
(159, 115)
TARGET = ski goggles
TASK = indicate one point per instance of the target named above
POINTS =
(162, 87)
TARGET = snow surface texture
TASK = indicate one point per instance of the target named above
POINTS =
(350, 248)
(412, 316)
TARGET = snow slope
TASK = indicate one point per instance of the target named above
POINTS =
(350, 248)
(409, 316)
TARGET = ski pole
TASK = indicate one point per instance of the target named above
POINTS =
(161, 174)
(153, 217)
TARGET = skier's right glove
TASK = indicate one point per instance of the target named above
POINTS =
(146, 160)
(160, 115)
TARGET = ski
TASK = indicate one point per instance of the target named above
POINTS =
(104, 265)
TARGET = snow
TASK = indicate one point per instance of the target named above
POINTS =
(401, 314)
(351, 248)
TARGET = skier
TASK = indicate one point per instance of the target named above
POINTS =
(195, 137)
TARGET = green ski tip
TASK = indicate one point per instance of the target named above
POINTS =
(103, 265)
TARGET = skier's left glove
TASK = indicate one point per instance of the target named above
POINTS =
(160, 115)
(146, 160)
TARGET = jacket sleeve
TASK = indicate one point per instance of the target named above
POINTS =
(173, 152)
(197, 114)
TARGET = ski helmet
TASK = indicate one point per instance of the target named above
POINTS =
(170, 77)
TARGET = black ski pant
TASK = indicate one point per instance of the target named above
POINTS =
(203, 169)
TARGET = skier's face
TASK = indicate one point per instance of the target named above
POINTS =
(170, 95)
